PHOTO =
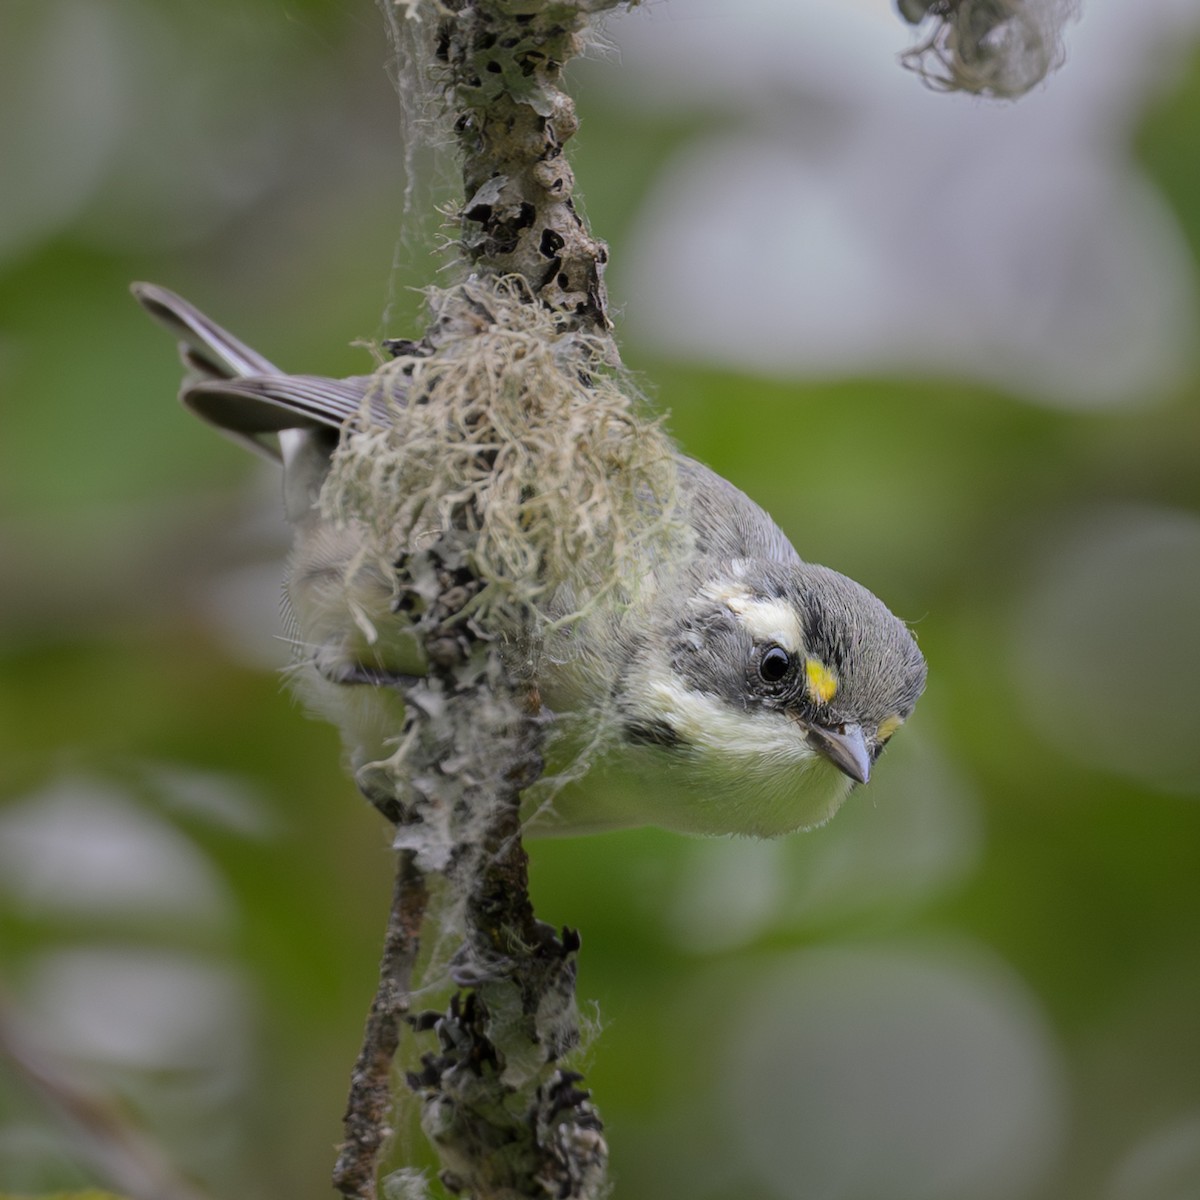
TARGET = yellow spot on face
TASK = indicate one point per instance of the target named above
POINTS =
(888, 726)
(822, 684)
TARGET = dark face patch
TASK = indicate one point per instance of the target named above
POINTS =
(653, 733)
(879, 670)
(711, 651)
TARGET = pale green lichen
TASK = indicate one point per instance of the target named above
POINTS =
(999, 48)
(507, 432)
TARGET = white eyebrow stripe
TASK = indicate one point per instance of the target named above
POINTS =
(767, 620)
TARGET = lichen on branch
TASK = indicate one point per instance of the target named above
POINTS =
(499, 65)
(506, 425)
(498, 465)
(998, 48)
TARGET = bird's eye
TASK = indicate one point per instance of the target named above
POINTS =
(774, 664)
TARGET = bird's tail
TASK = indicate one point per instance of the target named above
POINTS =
(203, 345)
(245, 395)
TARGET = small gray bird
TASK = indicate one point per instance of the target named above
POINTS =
(759, 688)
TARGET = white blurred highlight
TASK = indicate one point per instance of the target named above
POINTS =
(61, 70)
(1164, 1165)
(151, 124)
(882, 1075)
(910, 835)
(80, 848)
(220, 799)
(1104, 648)
(839, 217)
(141, 1009)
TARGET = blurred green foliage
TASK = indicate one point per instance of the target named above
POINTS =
(125, 529)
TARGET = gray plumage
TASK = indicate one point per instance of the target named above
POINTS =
(757, 685)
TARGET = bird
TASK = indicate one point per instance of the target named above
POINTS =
(750, 689)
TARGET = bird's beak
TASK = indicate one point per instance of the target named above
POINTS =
(847, 749)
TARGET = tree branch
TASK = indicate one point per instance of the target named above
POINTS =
(368, 1108)
(504, 60)
(506, 1119)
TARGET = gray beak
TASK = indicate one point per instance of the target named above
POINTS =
(847, 750)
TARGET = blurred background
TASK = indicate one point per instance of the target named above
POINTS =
(950, 344)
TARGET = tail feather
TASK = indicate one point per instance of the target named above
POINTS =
(257, 404)
(243, 394)
(204, 345)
